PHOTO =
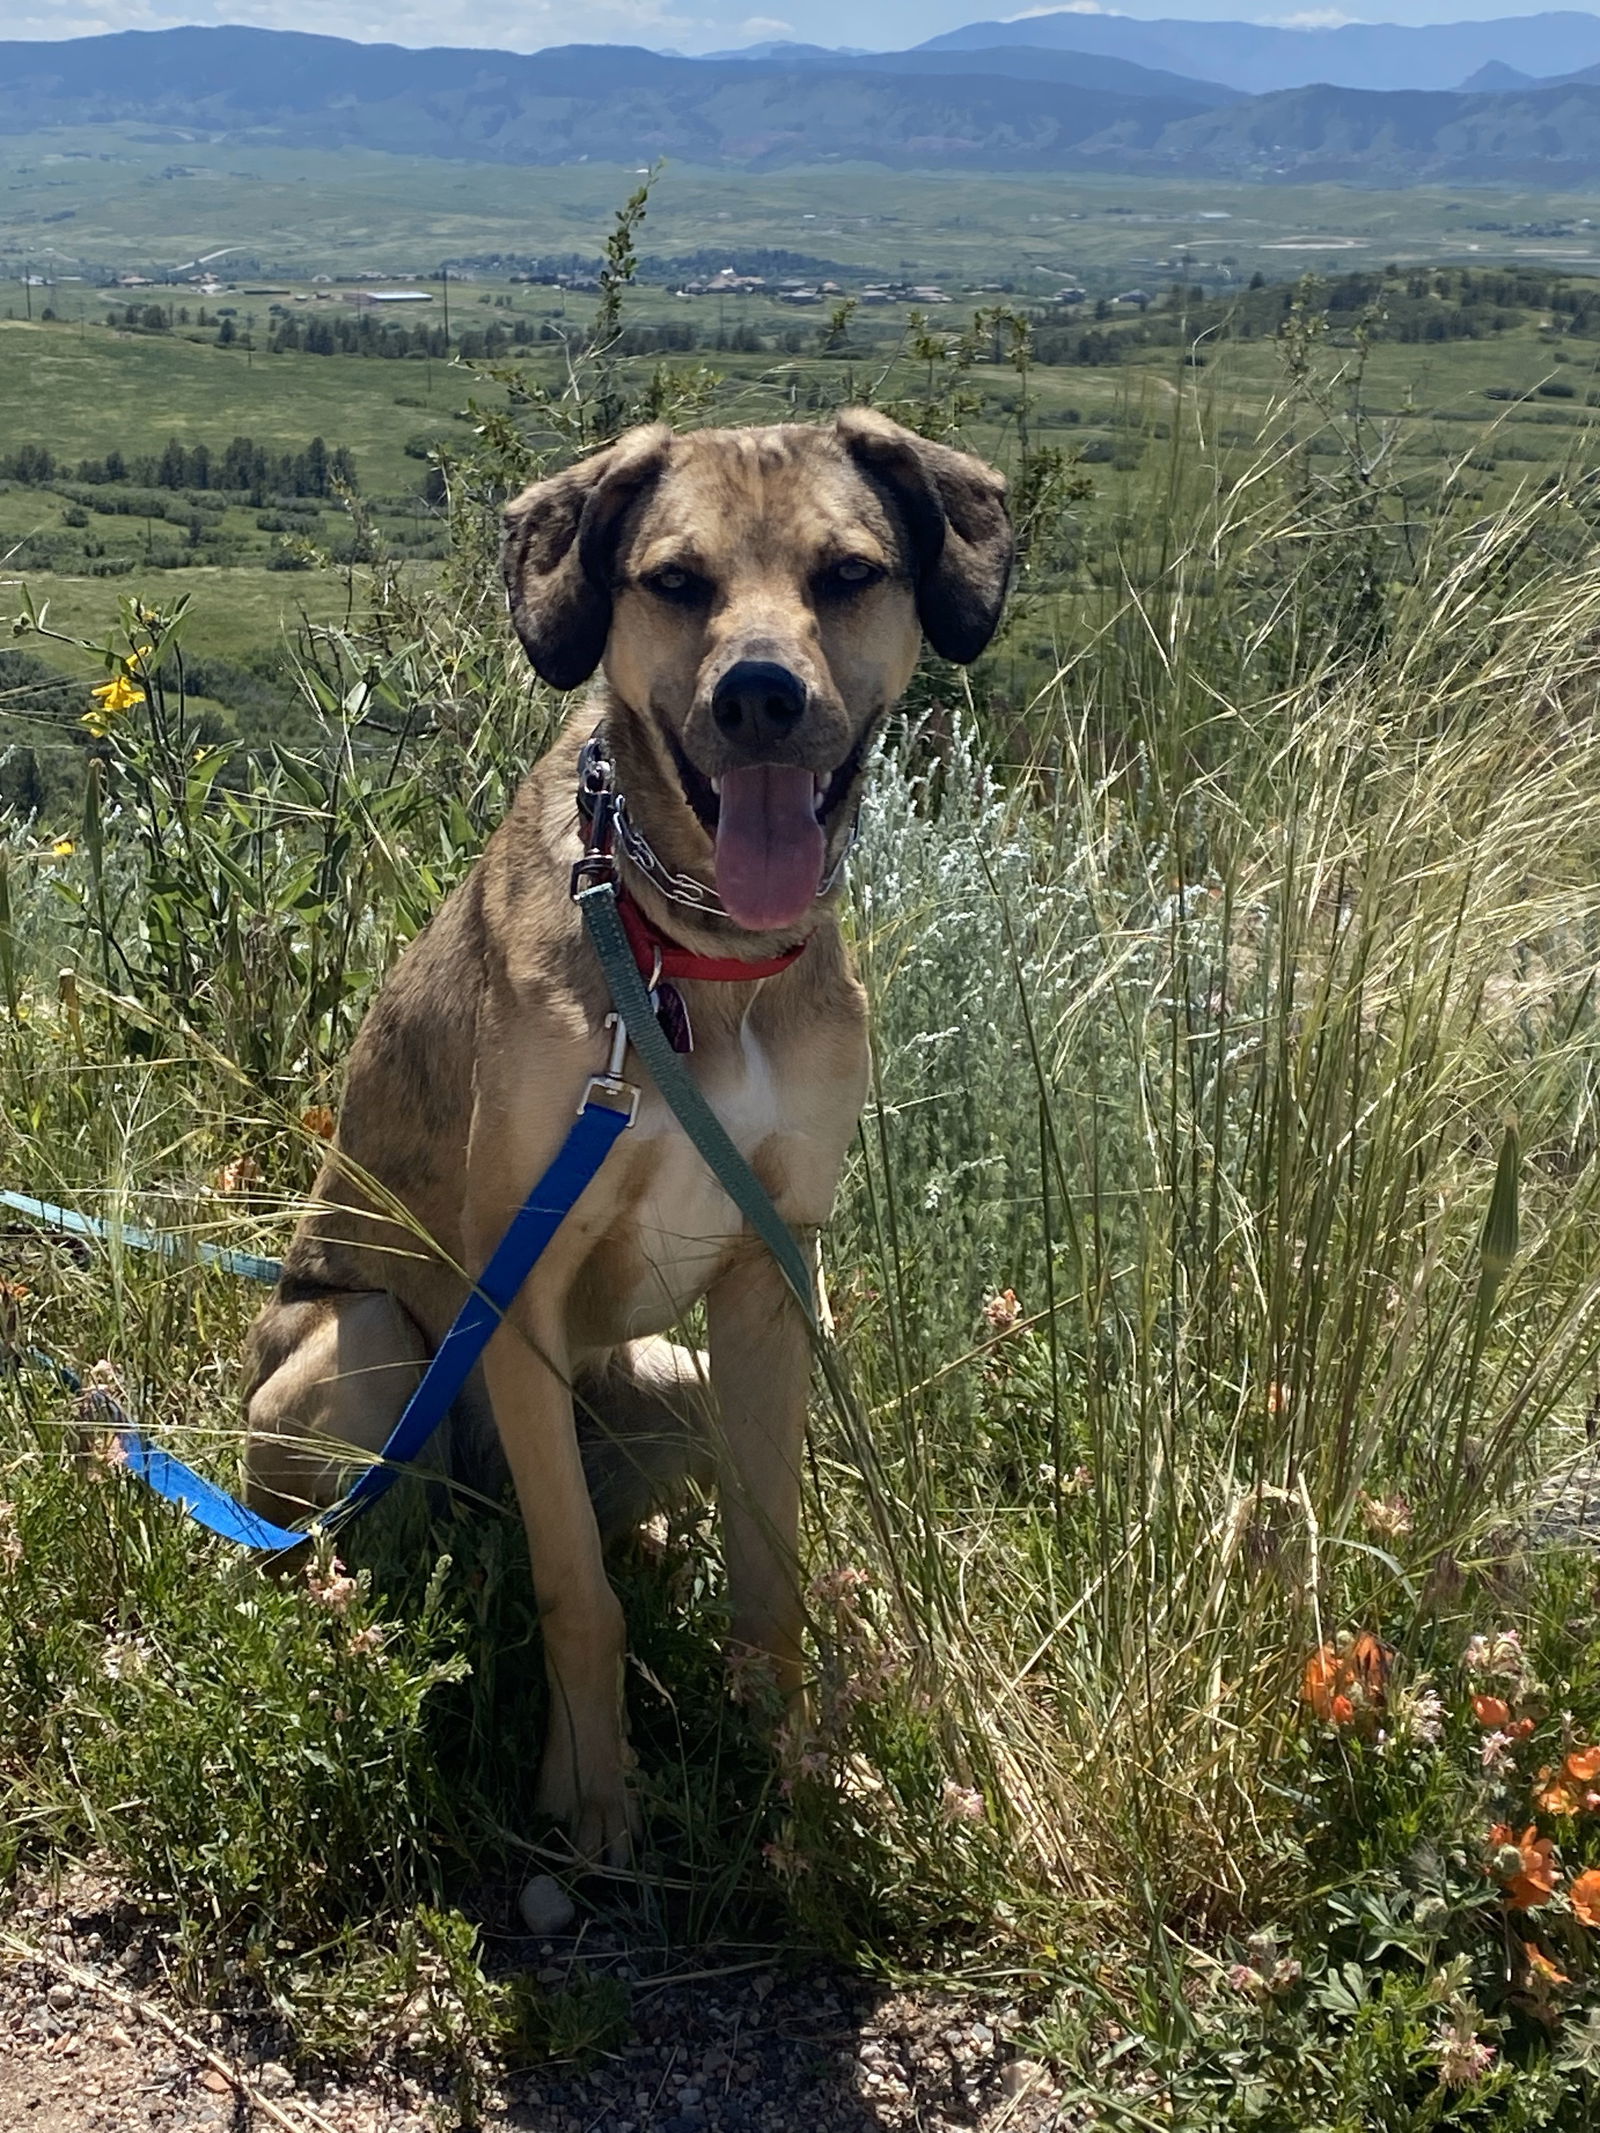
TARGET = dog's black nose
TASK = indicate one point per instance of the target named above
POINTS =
(757, 702)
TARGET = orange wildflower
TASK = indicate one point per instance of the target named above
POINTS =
(1491, 1711)
(1542, 1967)
(318, 1119)
(1345, 1677)
(1524, 1866)
(1586, 1897)
(1568, 1791)
(1519, 1728)
(238, 1175)
(1553, 1795)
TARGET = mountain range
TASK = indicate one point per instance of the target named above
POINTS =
(1158, 97)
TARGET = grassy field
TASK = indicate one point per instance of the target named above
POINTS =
(1202, 1615)
(113, 199)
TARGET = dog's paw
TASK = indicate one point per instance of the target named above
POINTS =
(595, 1815)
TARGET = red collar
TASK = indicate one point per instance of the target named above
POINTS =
(658, 955)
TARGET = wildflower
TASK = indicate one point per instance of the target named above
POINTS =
(960, 1803)
(752, 1676)
(1243, 1979)
(243, 1171)
(113, 698)
(1496, 1750)
(368, 1642)
(839, 1589)
(1002, 1312)
(1568, 1791)
(1432, 1914)
(1490, 1710)
(1280, 1398)
(1524, 1866)
(1541, 1968)
(123, 1658)
(1586, 1897)
(1346, 1677)
(785, 1860)
(330, 1587)
(319, 1120)
(1389, 1517)
(63, 848)
(1496, 1655)
(1419, 1716)
(1464, 2058)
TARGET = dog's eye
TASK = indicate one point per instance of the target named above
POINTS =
(682, 586)
(853, 573)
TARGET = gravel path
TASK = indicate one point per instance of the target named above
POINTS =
(89, 2043)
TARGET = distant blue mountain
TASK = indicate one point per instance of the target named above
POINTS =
(1259, 58)
(982, 106)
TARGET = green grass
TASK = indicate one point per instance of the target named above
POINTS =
(1214, 1276)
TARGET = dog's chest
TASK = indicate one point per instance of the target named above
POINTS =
(668, 1229)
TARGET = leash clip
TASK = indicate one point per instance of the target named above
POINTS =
(609, 1088)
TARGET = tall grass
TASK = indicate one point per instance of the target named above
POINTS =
(1214, 1274)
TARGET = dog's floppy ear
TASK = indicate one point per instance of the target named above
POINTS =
(954, 511)
(560, 548)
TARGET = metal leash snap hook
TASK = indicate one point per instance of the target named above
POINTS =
(609, 1088)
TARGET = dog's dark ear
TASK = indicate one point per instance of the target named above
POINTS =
(560, 549)
(953, 508)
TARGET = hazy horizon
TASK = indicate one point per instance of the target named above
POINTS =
(705, 25)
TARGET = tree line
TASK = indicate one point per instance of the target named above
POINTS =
(243, 468)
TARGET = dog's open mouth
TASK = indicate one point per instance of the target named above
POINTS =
(769, 822)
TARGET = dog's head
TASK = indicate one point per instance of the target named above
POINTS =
(757, 598)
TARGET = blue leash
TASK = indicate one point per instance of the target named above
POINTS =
(168, 1246)
(607, 1110)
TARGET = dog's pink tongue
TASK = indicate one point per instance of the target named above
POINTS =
(770, 846)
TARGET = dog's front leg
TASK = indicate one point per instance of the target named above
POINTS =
(581, 1783)
(761, 1375)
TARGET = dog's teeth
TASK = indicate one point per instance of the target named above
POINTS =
(716, 787)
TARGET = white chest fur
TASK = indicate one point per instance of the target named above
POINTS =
(672, 1227)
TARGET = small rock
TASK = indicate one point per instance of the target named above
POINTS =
(119, 2036)
(1021, 2076)
(218, 2084)
(545, 1905)
(61, 1997)
(274, 2079)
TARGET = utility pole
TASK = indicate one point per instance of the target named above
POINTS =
(27, 285)
(444, 276)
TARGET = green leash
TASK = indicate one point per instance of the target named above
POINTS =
(598, 903)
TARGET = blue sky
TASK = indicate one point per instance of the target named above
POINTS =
(683, 25)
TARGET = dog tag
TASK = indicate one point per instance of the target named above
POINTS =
(673, 1016)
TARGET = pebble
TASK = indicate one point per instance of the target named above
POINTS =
(61, 1997)
(545, 1905)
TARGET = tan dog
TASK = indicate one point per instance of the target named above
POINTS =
(756, 600)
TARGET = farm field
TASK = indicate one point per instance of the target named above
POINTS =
(115, 199)
(1203, 1613)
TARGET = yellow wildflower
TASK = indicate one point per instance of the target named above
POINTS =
(112, 698)
(63, 848)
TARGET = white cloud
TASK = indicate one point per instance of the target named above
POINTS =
(1065, 7)
(757, 27)
(1312, 18)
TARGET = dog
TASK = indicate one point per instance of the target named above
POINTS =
(754, 602)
